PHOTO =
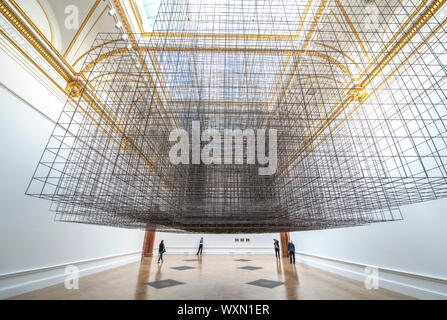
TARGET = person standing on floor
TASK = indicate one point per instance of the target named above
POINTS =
(291, 249)
(276, 245)
(161, 250)
(200, 247)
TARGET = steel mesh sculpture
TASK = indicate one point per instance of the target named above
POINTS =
(360, 114)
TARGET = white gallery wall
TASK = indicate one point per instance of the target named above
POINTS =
(411, 255)
(34, 249)
(178, 243)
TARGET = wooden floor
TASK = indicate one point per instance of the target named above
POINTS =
(214, 277)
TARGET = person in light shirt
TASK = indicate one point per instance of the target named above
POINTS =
(200, 247)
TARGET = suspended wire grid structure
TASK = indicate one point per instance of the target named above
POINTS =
(356, 91)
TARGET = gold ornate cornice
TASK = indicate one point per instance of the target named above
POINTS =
(358, 93)
(123, 19)
(24, 54)
(53, 50)
(75, 88)
(33, 41)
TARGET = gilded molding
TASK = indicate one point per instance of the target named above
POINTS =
(32, 40)
(74, 89)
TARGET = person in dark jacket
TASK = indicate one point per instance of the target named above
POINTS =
(200, 247)
(291, 249)
(161, 250)
(276, 245)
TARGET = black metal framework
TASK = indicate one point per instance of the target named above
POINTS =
(360, 114)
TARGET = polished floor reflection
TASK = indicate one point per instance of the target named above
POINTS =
(214, 277)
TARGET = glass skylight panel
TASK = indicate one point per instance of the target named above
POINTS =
(151, 9)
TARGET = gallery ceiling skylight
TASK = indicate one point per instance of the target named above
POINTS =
(150, 11)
